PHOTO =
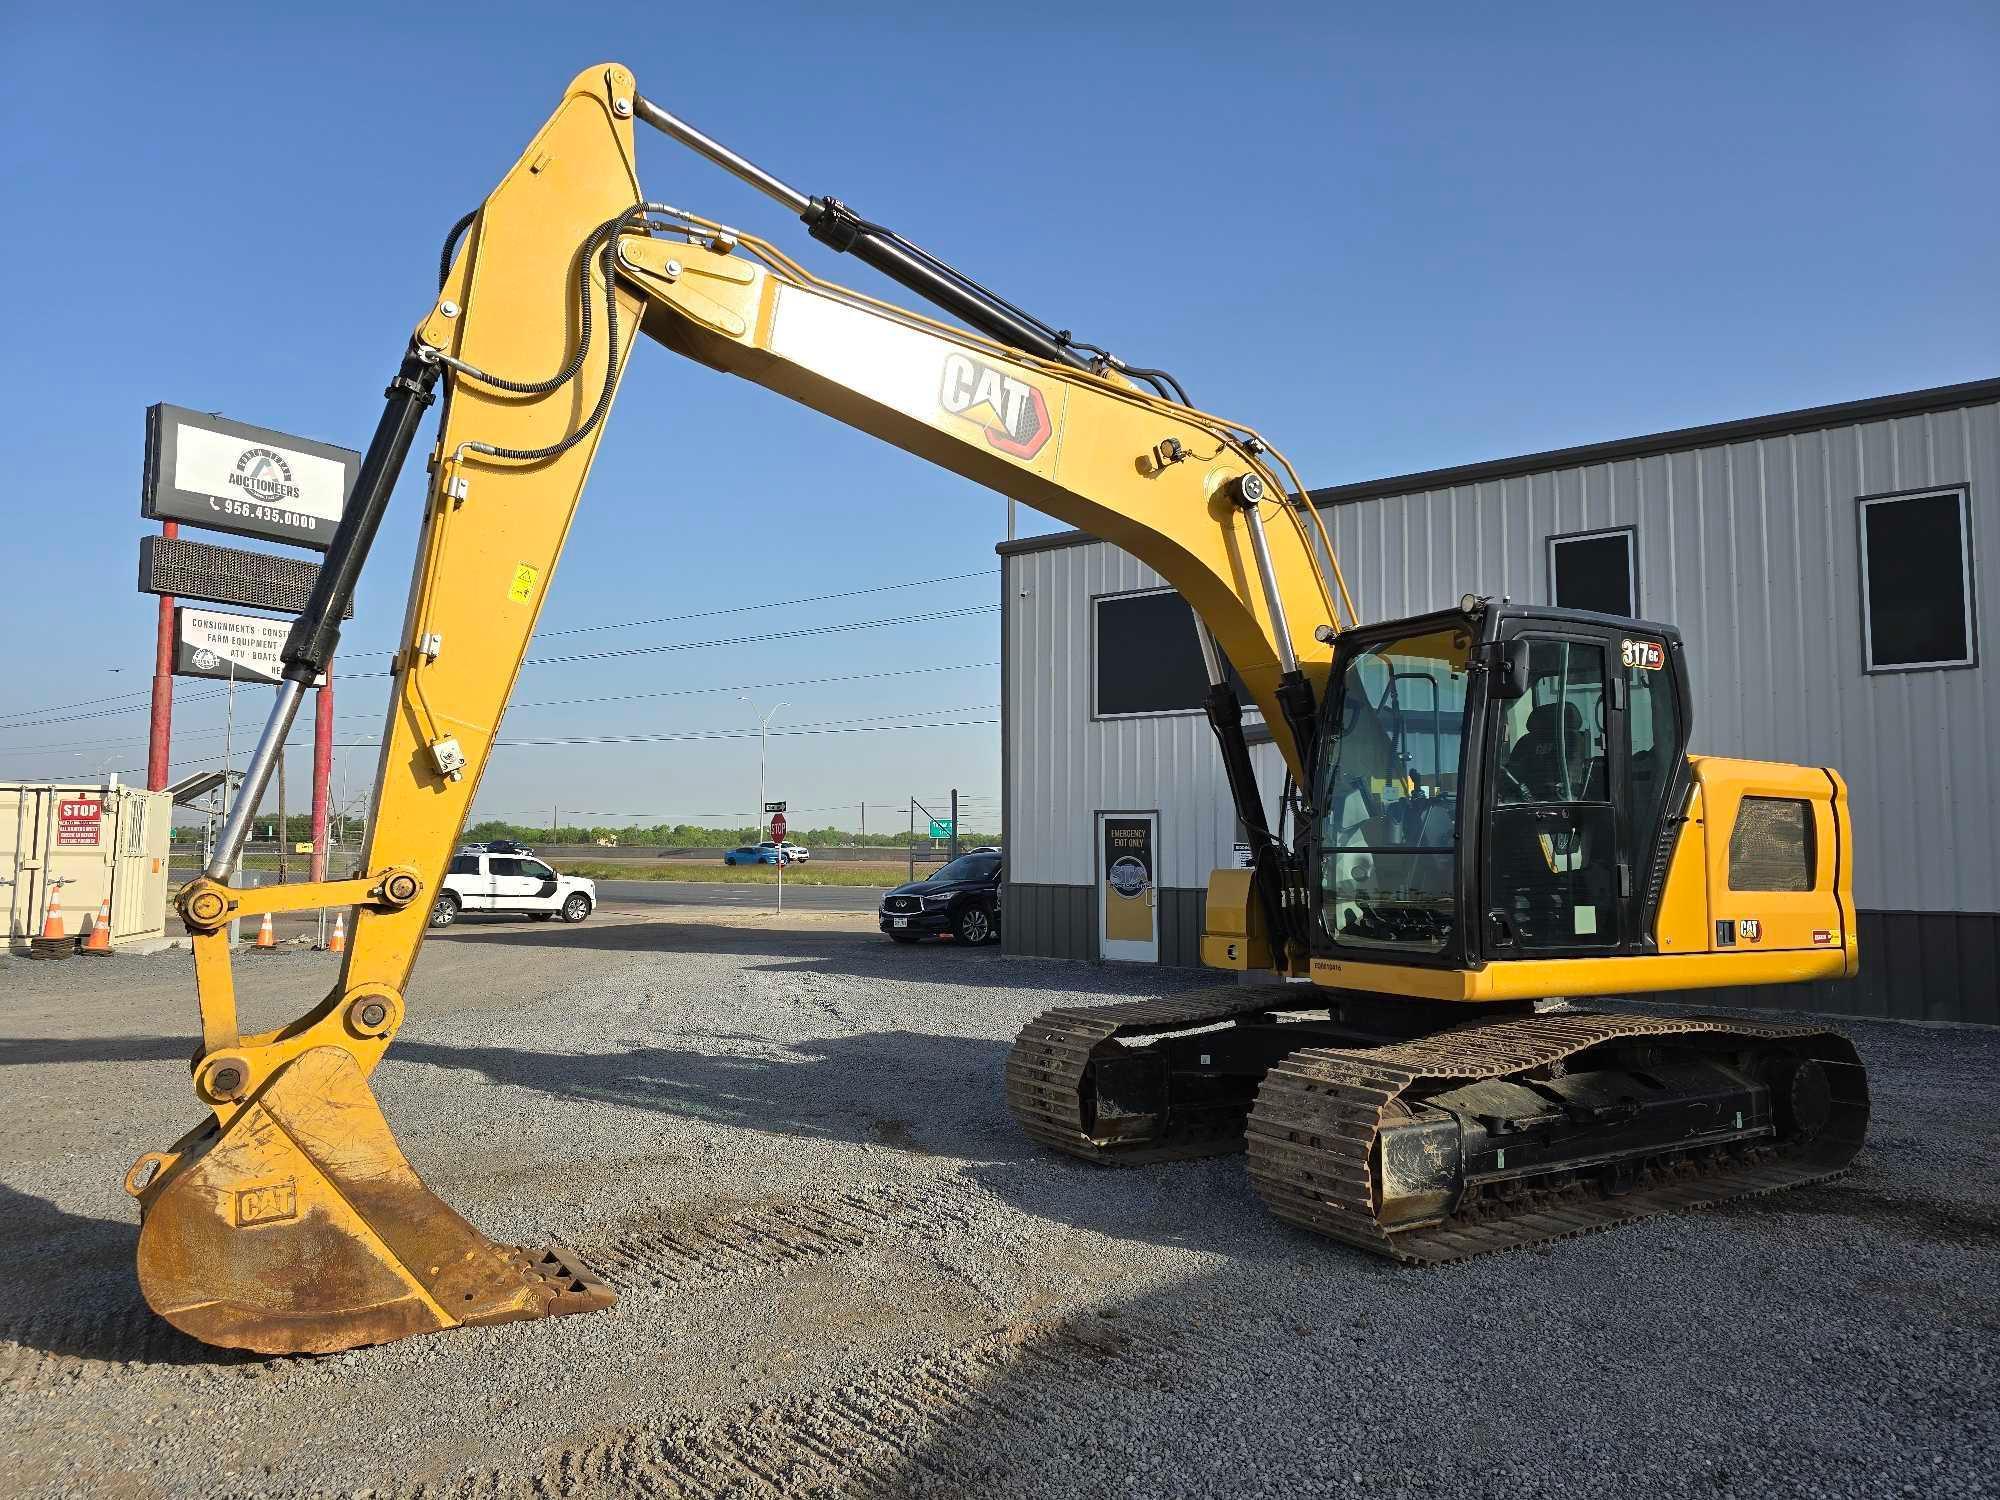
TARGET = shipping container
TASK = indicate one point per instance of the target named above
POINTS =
(88, 842)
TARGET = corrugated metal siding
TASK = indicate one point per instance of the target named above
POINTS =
(1063, 767)
(1751, 548)
(1060, 921)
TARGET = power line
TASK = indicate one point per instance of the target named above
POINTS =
(59, 707)
(646, 739)
(210, 731)
(840, 628)
(824, 726)
(753, 640)
(738, 609)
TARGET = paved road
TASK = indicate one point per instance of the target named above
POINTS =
(704, 893)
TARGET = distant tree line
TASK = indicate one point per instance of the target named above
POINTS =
(690, 835)
(298, 830)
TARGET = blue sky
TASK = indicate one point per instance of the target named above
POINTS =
(1393, 240)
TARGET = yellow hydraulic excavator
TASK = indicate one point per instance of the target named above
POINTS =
(1485, 808)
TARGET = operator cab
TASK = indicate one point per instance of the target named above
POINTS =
(1495, 782)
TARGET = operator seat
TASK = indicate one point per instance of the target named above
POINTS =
(1551, 758)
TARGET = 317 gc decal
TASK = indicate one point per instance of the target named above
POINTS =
(1647, 656)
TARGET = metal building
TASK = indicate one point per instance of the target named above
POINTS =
(1830, 569)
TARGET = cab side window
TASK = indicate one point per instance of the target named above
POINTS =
(501, 867)
(464, 864)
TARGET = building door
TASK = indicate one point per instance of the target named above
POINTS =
(1128, 917)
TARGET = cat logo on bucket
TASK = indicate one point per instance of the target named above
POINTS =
(1012, 413)
(268, 1204)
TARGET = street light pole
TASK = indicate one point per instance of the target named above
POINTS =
(763, 724)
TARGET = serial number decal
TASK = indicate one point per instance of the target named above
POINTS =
(267, 1204)
(1645, 656)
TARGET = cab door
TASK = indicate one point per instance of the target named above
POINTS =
(1557, 870)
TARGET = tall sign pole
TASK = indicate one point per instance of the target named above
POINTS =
(160, 736)
(777, 812)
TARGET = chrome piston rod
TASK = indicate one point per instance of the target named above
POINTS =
(721, 155)
(256, 777)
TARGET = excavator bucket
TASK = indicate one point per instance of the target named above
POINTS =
(299, 1227)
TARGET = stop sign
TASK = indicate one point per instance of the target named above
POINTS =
(778, 827)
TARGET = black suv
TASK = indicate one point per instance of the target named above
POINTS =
(962, 899)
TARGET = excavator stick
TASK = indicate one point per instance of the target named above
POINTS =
(290, 1221)
(299, 1227)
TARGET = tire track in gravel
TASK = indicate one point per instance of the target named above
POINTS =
(771, 1236)
(932, 1426)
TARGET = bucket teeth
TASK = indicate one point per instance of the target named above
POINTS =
(299, 1227)
(570, 1284)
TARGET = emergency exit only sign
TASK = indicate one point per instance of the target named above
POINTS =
(79, 821)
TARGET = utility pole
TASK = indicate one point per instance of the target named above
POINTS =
(864, 822)
(954, 822)
(911, 843)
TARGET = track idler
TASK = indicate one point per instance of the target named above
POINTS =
(292, 1223)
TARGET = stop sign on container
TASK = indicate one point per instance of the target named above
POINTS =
(778, 828)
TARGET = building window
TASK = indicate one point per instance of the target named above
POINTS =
(1916, 581)
(1146, 657)
(1595, 570)
(1770, 848)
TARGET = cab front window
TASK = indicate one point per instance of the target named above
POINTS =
(1389, 772)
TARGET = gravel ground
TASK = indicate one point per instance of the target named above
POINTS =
(843, 1271)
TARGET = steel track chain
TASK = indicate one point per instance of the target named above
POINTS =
(1048, 1070)
(1312, 1131)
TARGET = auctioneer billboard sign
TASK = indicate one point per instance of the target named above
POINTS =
(229, 476)
(245, 648)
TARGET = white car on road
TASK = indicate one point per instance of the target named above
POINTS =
(479, 881)
(790, 853)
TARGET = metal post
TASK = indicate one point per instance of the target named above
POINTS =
(322, 780)
(954, 823)
(159, 741)
(284, 826)
(910, 844)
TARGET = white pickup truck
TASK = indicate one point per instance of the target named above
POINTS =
(479, 881)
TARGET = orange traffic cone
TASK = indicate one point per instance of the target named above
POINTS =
(99, 938)
(266, 938)
(52, 922)
(338, 942)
